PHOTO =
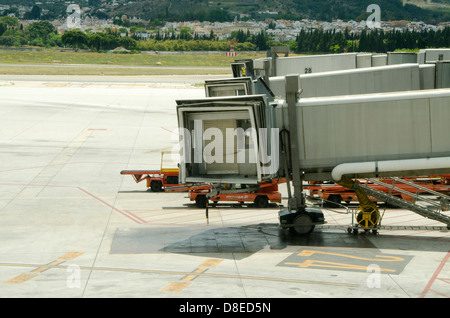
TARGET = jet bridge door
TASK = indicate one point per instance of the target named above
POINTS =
(227, 148)
(220, 140)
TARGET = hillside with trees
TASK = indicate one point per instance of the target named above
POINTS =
(43, 34)
(227, 10)
(319, 41)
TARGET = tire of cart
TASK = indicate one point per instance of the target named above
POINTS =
(261, 201)
(201, 201)
(156, 186)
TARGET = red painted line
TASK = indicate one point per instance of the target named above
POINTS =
(169, 131)
(246, 217)
(36, 167)
(34, 185)
(155, 219)
(128, 215)
(196, 215)
(408, 219)
(440, 293)
(435, 275)
(152, 214)
(62, 164)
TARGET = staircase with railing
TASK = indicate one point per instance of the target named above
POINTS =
(425, 202)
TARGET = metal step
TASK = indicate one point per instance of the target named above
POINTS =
(422, 205)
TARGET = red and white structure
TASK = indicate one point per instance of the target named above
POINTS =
(232, 52)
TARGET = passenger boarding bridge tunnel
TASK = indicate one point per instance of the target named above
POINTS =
(334, 138)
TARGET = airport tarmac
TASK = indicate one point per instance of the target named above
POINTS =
(71, 226)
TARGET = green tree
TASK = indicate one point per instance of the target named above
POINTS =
(10, 21)
(261, 41)
(185, 33)
(3, 28)
(34, 14)
(128, 43)
(219, 15)
(7, 40)
(103, 42)
(38, 32)
(75, 39)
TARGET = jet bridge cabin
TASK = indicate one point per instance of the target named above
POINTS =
(225, 140)
(236, 86)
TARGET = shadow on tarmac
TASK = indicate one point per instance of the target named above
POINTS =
(241, 242)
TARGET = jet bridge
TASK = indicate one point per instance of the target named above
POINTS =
(230, 137)
(343, 138)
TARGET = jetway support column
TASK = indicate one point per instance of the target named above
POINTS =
(297, 217)
(274, 55)
(292, 90)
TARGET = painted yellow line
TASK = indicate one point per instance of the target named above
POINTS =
(194, 274)
(183, 274)
(176, 287)
(40, 268)
(315, 263)
(21, 278)
(387, 258)
(211, 262)
(70, 256)
(44, 268)
(186, 281)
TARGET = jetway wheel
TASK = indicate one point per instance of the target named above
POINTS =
(354, 230)
(302, 224)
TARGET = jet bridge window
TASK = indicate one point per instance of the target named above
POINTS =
(246, 126)
(238, 89)
(223, 144)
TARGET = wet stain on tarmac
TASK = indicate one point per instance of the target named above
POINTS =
(240, 242)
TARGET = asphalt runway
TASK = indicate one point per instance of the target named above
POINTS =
(71, 226)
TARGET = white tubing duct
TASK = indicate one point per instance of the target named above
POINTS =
(375, 167)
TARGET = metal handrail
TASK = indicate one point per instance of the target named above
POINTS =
(414, 195)
(422, 188)
(322, 201)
